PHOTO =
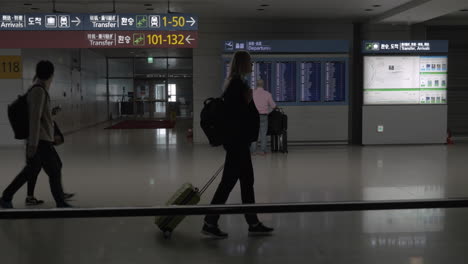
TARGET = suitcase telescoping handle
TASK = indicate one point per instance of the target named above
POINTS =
(279, 109)
(211, 180)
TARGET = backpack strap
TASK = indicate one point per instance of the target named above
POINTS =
(208, 100)
(38, 85)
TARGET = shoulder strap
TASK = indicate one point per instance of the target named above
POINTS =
(38, 85)
(207, 100)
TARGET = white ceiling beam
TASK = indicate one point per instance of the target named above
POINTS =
(418, 11)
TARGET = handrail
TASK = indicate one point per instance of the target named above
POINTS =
(233, 209)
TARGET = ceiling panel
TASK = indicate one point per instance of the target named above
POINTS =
(455, 18)
(277, 9)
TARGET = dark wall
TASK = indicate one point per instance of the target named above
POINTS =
(457, 94)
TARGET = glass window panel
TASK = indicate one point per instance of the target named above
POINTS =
(120, 68)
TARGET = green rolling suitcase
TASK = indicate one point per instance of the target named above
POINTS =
(187, 194)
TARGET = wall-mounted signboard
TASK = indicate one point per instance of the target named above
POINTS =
(404, 46)
(287, 46)
(411, 72)
(11, 67)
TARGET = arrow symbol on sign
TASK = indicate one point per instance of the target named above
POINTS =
(77, 21)
(192, 21)
(188, 39)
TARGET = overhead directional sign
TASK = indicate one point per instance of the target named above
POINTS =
(91, 22)
(99, 39)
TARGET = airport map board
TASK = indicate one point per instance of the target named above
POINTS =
(405, 78)
(98, 30)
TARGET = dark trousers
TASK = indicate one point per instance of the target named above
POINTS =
(33, 179)
(47, 158)
(238, 166)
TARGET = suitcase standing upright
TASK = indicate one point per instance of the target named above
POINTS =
(280, 142)
(275, 122)
(187, 194)
(278, 130)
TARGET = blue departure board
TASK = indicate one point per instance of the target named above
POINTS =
(285, 89)
(335, 81)
(311, 78)
(264, 71)
(301, 72)
(300, 81)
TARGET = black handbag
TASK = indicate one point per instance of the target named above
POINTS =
(254, 125)
(58, 133)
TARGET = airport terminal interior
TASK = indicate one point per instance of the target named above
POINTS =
(371, 107)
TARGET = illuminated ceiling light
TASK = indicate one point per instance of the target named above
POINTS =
(150, 59)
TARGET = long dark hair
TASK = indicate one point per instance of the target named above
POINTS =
(240, 64)
(239, 67)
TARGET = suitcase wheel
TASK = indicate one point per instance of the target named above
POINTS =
(167, 234)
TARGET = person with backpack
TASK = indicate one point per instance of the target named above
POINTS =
(241, 126)
(31, 200)
(265, 104)
(40, 151)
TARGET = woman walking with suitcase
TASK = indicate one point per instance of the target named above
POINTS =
(242, 128)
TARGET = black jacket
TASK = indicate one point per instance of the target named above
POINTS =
(242, 120)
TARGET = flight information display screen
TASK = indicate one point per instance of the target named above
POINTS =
(285, 88)
(311, 81)
(227, 69)
(262, 71)
(335, 81)
(301, 81)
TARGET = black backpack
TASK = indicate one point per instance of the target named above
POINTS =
(212, 120)
(18, 115)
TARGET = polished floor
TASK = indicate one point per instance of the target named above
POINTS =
(144, 167)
